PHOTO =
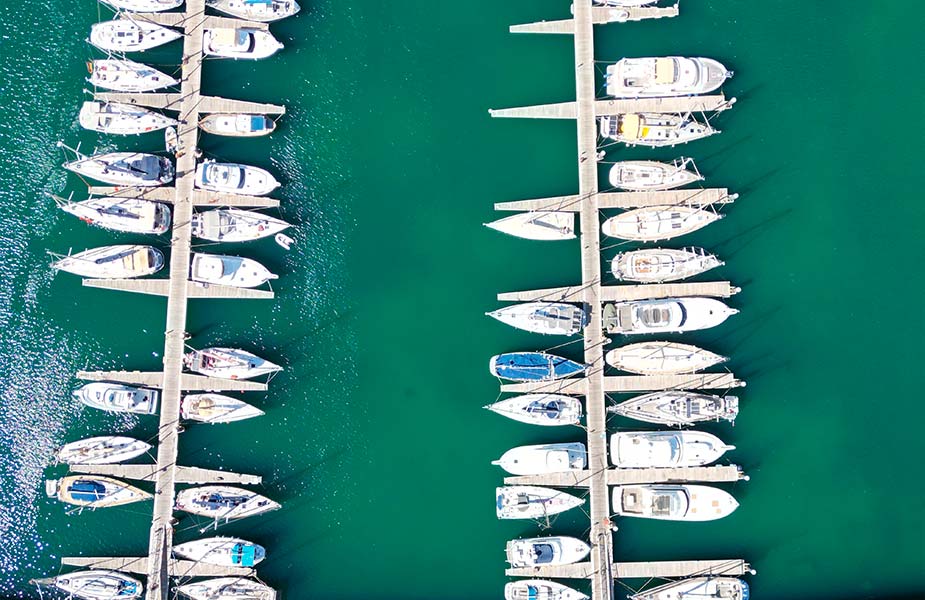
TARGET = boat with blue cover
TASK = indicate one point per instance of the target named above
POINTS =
(222, 551)
(533, 366)
(93, 491)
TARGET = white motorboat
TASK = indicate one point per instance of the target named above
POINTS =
(655, 130)
(235, 225)
(543, 458)
(668, 315)
(553, 318)
(663, 449)
(242, 42)
(263, 11)
(227, 588)
(658, 223)
(664, 76)
(216, 408)
(234, 271)
(144, 6)
(128, 35)
(223, 503)
(539, 225)
(132, 215)
(657, 265)
(112, 262)
(673, 502)
(104, 450)
(530, 502)
(234, 178)
(97, 584)
(127, 76)
(719, 588)
(228, 363)
(222, 551)
(662, 358)
(546, 551)
(237, 125)
(677, 408)
(540, 409)
(540, 589)
(115, 397)
(648, 175)
(121, 119)
(93, 491)
(124, 169)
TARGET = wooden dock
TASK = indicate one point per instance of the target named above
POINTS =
(627, 384)
(187, 382)
(174, 102)
(625, 293)
(582, 478)
(187, 475)
(162, 287)
(197, 197)
(626, 200)
(139, 566)
(637, 570)
(600, 15)
(618, 106)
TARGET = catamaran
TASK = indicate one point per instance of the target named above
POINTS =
(228, 363)
(124, 168)
(235, 225)
(546, 551)
(530, 502)
(553, 318)
(663, 449)
(223, 503)
(222, 551)
(104, 450)
(540, 589)
(673, 502)
(121, 119)
(113, 262)
(540, 409)
(539, 225)
(544, 458)
(263, 11)
(664, 76)
(127, 35)
(655, 130)
(657, 265)
(719, 588)
(662, 358)
(533, 366)
(227, 588)
(668, 315)
(243, 42)
(234, 178)
(127, 76)
(115, 397)
(131, 215)
(96, 584)
(657, 223)
(216, 408)
(234, 271)
(648, 175)
(677, 408)
(93, 491)
(237, 125)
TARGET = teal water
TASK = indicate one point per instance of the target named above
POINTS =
(374, 439)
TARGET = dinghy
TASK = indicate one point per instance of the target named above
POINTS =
(227, 588)
(658, 223)
(718, 588)
(553, 318)
(669, 315)
(105, 450)
(540, 409)
(127, 35)
(234, 271)
(263, 11)
(546, 551)
(144, 6)
(664, 76)
(533, 366)
(112, 262)
(540, 225)
(543, 458)
(222, 551)
(677, 408)
(223, 503)
(237, 125)
(234, 178)
(216, 408)
(235, 225)
(131, 215)
(115, 397)
(648, 175)
(662, 358)
(94, 491)
(540, 589)
(663, 449)
(124, 169)
(121, 119)
(97, 584)
(127, 76)
(655, 130)
(530, 502)
(243, 42)
(228, 363)
(673, 502)
(657, 265)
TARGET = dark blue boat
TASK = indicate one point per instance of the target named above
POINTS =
(533, 366)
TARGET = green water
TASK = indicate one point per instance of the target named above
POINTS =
(374, 439)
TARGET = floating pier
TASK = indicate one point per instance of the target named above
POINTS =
(581, 479)
(139, 566)
(626, 200)
(637, 570)
(188, 475)
(625, 293)
(197, 197)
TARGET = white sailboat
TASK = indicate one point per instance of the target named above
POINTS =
(540, 409)
(543, 458)
(657, 265)
(97, 584)
(223, 503)
(655, 130)
(664, 76)
(128, 35)
(228, 363)
(531, 502)
(673, 502)
(117, 118)
(662, 358)
(664, 449)
(677, 408)
(216, 408)
(127, 76)
(235, 225)
(648, 175)
(263, 11)
(103, 450)
(719, 588)
(222, 551)
(552, 318)
(656, 223)
(112, 262)
(539, 225)
(94, 491)
(227, 588)
(546, 551)
(131, 215)
(668, 315)
(125, 169)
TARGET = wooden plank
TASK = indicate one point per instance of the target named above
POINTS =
(618, 106)
(626, 293)
(640, 570)
(630, 384)
(182, 19)
(576, 386)
(163, 101)
(199, 198)
(625, 200)
(161, 287)
(189, 475)
(600, 15)
(207, 104)
(188, 381)
(214, 104)
(139, 566)
(713, 474)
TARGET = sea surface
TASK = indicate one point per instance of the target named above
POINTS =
(374, 438)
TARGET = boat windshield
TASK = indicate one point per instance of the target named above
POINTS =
(216, 501)
(667, 503)
(655, 316)
(543, 554)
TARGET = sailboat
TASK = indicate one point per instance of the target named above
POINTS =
(223, 503)
(655, 223)
(103, 450)
(658, 265)
(655, 130)
(94, 491)
(235, 225)
(124, 168)
(228, 363)
(113, 262)
(533, 366)
(263, 11)
(648, 175)
(121, 119)
(222, 551)
(127, 76)
(719, 588)
(662, 358)
(678, 408)
(540, 409)
(128, 35)
(216, 408)
(531, 502)
(227, 588)
(96, 584)
(131, 215)
(538, 225)
(552, 318)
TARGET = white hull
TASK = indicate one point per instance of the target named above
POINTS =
(718, 588)
(670, 315)
(221, 551)
(235, 225)
(233, 271)
(658, 223)
(223, 503)
(237, 125)
(216, 408)
(540, 589)
(664, 449)
(125, 35)
(144, 5)
(655, 77)
(662, 358)
(105, 450)
(546, 551)
(127, 76)
(540, 409)
(115, 397)
(678, 408)
(552, 318)
(228, 363)
(673, 502)
(99, 585)
(227, 588)
(113, 262)
(623, 3)
(94, 491)
(530, 502)
(121, 119)
(131, 215)
(124, 169)
(647, 175)
(234, 178)
(543, 458)
(540, 226)
(654, 130)
(244, 43)
(657, 265)
(263, 12)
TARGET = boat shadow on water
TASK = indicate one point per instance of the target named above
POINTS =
(736, 243)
